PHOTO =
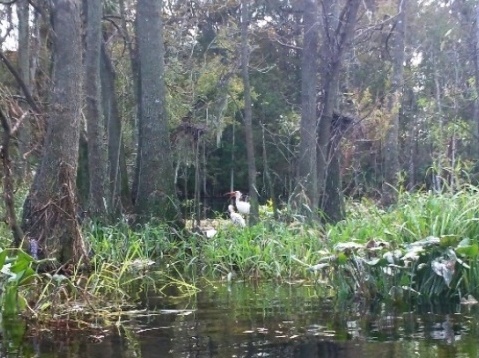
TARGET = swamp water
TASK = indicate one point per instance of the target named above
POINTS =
(244, 320)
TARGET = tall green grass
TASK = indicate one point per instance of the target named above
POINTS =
(261, 251)
(414, 217)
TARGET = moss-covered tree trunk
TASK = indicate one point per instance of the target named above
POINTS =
(49, 212)
(155, 189)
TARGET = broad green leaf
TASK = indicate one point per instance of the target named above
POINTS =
(27, 276)
(21, 263)
(470, 251)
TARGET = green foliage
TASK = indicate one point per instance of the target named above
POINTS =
(426, 247)
(15, 272)
(264, 251)
(122, 266)
(120, 243)
(432, 268)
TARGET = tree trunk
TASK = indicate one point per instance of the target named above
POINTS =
(336, 40)
(97, 151)
(248, 114)
(23, 14)
(135, 74)
(333, 196)
(394, 99)
(155, 191)
(307, 192)
(119, 190)
(49, 212)
(475, 125)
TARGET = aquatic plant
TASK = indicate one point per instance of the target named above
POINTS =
(432, 268)
(425, 248)
(15, 272)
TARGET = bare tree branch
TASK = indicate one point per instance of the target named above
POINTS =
(21, 83)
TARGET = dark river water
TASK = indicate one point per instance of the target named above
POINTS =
(246, 320)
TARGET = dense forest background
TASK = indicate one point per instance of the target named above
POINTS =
(164, 106)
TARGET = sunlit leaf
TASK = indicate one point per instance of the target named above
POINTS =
(469, 251)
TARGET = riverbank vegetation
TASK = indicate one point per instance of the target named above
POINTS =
(411, 253)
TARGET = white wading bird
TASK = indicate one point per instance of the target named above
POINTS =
(236, 218)
(242, 206)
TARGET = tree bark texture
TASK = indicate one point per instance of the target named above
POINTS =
(120, 197)
(336, 40)
(136, 88)
(475, 126)
(248, 113)
(393, 102)
(155, 192)
(23, 13)
(97, 150)
(307, 164)
(49, 212)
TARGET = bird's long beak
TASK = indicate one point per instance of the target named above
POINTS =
(231, 194)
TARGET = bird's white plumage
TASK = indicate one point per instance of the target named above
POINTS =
(242, 206)
(236, 218)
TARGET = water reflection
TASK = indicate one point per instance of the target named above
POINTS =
(265, 321)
